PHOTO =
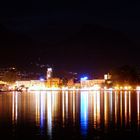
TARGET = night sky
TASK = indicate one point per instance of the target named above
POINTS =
(90, 36)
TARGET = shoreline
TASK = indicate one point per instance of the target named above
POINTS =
(104, 90)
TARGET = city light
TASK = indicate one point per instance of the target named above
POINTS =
(138, 88)
(37, 88)
(84, 78)
(96, 87)
(42, 79)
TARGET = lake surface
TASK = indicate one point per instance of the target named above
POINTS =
(74, 115)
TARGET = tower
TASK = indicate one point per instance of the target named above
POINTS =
(49, 73)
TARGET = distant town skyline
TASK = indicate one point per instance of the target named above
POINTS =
(70, 69)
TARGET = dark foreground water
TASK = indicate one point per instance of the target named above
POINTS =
(70, 115)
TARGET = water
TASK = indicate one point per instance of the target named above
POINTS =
(74, 115)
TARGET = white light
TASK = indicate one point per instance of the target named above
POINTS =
(110, 89)
(49, 69)
(36, 88)
(105, 76)
(121, 87)
(41, 79)
(126, 88)
(138, 88)
(96, 87)
(117, 88)
(64, 88)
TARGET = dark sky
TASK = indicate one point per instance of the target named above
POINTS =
(79, 36)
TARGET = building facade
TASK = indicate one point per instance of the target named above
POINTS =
(91, 83)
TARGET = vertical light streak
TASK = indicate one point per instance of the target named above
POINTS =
(121, 107)
(129, 107)
(37, 97)
(111, 105)
(138, 108)
(116, 107)
(53, 103)
(95, 109)
(73, 100)
(105, 109)
(63, 108)
(42, 117)
(67, 104)
(49, 113)
(13, 107)
(98, 109)
(84, 112)
(125, 98)
(16, 106)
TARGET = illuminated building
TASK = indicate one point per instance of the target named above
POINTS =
(32, 84)
(77, 85)
(70, 83)
(53, 82)
(107, 76)
(49, 73)
(3, 86)
(91, 83)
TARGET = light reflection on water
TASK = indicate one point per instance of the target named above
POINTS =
(49, 112)
(138, 109)
(85, 110)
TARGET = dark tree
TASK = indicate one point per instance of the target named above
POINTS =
(125, 75)
(10, 76)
